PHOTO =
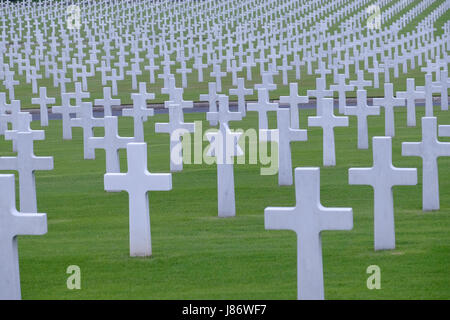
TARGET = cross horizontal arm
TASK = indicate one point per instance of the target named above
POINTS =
(279, 218)
(335, 218)
(361, 176)
(404, 176)
(158, 181)
(115, 182)
(444, 131)
(412, 149)
(8, 163)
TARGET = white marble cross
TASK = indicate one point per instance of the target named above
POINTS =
(286, 135)
(13, 224)
(262, 107)
(341, 87)
(224, 115)
(26, 163)
(444, 131)
(224, 146)
(267, 82)
(65, 110)
(443, 84)
(294, 100)
(430, 88)
(320, 92)
(176, 127)
(183, 70)
(43, 101)
(218, 74)
(429, 149)
(389, 102)
(383, 176)
(87, 122)
(411, 95)
(308, 219)
(79, 94)
(362, 111)
(212, 98)
(113, 78)
(107, 102)
(3, 116)
(241, 92)
(140, 114)
(360, 83)
(111, 143)
(138, 182)
(328, 121)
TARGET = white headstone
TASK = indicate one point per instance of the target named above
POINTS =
(328, 121)
(262, 107)
(444, 131)
(341, 87)
(429, 149)
(285, 136)
(26, 163)
(43, 101)
(138, 182)
(65, 110)
(294, 100)
(13, 224)
(389, 102)
(140, 114)
(382, 177)
(308, 219)
(411, 95)
(224, 146)
(362, 111)
(87, 122)
(111, 143)
(107, 102)
(241, 92)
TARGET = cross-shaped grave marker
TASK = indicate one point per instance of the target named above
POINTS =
(262, 107)
(308, 219)
(111, 143)
(328, 121)
(241, 92)
(13, 224)
(362, 111)
(383, 176)
(26, 163)
(389, 102)
(429, 149)
(87, 122)
(294, 100)
(140, 113)
(43, 101)
(342, 88)
(176, 127)
(107, 102)
(411, 95)
(224, 146)
(138, 182)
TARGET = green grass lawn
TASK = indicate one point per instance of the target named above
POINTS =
(197, 255)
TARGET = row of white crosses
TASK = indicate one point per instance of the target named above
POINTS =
(225, 175)
(286, 47)
(12, 221)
